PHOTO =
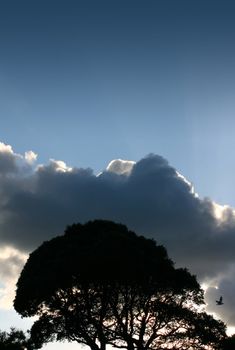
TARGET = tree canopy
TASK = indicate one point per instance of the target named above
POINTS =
(228, 343)
(102, 284)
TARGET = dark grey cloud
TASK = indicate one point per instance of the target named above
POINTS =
(151, 199)
(149, 196)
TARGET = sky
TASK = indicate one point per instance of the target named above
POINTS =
(148, 83)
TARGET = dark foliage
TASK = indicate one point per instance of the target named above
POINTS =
(101, 284)
(15, 340)
(228, 343)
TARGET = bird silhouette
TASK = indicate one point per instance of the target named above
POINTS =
(220, 301)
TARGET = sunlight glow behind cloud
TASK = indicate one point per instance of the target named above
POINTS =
(188, 183)
(222, 212)
(11, 263)
(120, 166)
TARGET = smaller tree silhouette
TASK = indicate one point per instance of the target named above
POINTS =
(101, 284)
(15, 340)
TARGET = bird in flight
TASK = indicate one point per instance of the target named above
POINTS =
(220, 301)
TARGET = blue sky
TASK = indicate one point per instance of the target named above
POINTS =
(90, 81)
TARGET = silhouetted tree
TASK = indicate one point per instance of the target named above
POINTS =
(15, 340)
(101, 284)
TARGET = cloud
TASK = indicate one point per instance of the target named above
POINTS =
(149, 196)
(120, 166)
(8, 160)
(222, 285)
(30, 157)
(11, 263)
(12, 163)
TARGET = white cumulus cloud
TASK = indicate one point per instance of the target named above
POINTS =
(30, 157)
(120, 166)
